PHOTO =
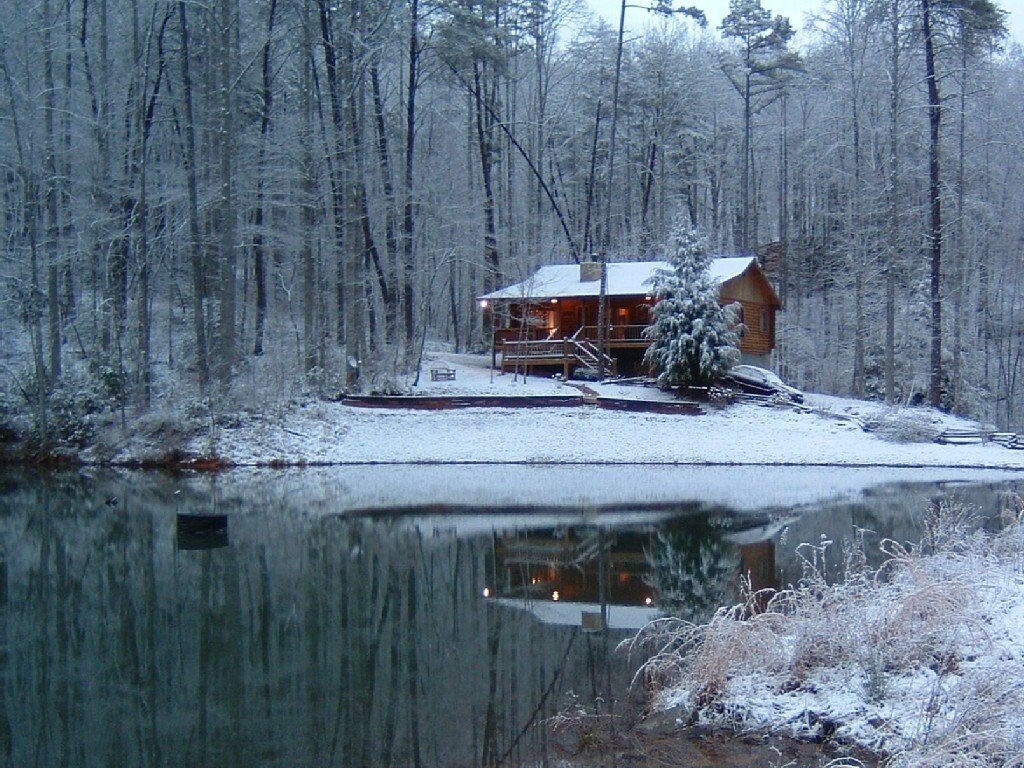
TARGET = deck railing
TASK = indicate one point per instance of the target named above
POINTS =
(574, 350)
(616, 333)
(502, 335)
(555, 348)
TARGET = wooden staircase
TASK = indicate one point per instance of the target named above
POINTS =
(574, 351)
(587, 353)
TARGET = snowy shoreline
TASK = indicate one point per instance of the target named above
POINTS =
(320, 433)
(919, 662)
(317, 433)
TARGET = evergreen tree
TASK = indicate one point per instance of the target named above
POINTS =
(759, 69)
(694, 337)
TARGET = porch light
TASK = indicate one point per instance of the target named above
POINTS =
(648, 601)
(487, 591)
(554, 595)
(647, 298)
(554, 301)
(483, 303)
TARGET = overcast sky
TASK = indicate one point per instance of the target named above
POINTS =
(796, 10)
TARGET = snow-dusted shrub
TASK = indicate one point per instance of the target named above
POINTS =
(12, 421)
(903, 425)
(693, 338)
(167, 428)
(74, 407)
(947, 527)
(112, 379)
(921, 659)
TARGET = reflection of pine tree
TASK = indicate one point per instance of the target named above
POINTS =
(693, 570)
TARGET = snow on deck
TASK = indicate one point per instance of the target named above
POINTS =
(624, 279)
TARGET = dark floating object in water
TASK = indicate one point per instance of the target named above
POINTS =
(202, 531)
(111, 502)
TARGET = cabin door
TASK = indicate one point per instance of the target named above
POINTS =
(567, 324)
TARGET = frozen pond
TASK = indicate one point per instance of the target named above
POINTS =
(368, 616)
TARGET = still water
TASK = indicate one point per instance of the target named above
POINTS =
(149, 620)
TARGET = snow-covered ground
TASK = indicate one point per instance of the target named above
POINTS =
(925, 665)
(745, 433)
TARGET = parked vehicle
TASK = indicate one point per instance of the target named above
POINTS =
(760, 381)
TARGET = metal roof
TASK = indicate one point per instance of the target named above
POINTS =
(624, 279)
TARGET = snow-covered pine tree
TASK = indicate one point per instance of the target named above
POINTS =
(694, 338)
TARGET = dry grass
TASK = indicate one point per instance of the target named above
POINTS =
(919, 659)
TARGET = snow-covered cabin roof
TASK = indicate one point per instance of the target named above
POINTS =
(558, 281)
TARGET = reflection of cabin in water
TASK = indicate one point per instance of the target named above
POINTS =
(551, 318)
(557, 573)
(564, 565)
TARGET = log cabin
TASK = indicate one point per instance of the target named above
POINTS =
(550, 319)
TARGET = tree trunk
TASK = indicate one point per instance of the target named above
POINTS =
(390, 213)
(344, 209)
(369, 253)
(484, 138)
(99, 102)
(745, 175)
(893, 223)
(935, 208)
(147, 108)
(226, 202)
(310, 337)
(50, 195)
(959, 268)
(606, 239)
(258, 239)
(194, 240)
(588, 206)
(408, 216)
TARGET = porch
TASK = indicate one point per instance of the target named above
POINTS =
(528, 348)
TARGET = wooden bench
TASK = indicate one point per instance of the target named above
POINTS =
(442, 374)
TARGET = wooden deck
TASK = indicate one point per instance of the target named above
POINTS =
(578, 350)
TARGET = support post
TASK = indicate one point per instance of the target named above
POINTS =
(602, 318)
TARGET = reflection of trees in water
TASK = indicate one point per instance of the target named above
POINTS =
(308, 641)
(693, 569)
(893, 512)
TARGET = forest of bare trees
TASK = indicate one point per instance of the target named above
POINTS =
(205, 199)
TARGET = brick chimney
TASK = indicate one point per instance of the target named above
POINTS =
(590, 271)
